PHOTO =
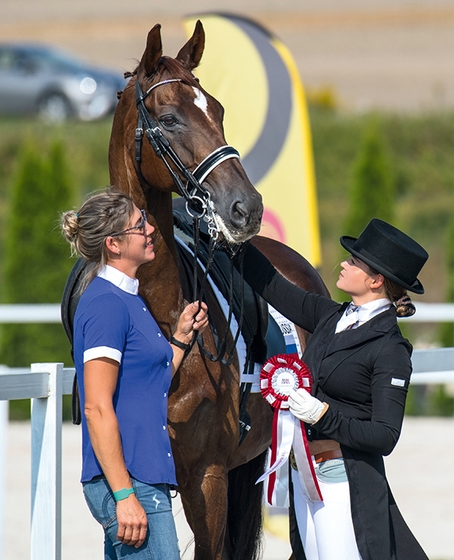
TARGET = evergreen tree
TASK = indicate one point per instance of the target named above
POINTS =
(447, 329)
(372, 190)
(37, 259)
(440, 402)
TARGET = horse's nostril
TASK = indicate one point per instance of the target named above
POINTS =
(240, 214)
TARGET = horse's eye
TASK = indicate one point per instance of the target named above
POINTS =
(168, 120)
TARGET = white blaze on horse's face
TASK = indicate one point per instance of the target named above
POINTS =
(201, 102)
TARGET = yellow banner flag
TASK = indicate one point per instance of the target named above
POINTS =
(253, 75)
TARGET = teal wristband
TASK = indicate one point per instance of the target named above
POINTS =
(123, 494)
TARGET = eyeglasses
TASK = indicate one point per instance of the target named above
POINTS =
(140, 226)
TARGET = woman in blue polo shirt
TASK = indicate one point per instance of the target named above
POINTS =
(124, 369)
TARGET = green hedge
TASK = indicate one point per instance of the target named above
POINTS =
(43, 171)
(419, 149)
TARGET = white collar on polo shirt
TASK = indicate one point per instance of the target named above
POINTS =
(120, 279)
(361, 313)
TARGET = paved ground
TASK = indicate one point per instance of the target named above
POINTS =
(396, 54)
(420, 474)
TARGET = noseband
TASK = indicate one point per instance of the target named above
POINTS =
(189, 183)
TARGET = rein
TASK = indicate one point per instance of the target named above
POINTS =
(198, 205)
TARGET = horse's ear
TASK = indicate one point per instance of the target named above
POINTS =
(152, 54)
(191, 53)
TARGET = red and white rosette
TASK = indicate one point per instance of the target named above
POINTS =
(279, 375)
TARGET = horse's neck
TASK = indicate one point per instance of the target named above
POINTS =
(160, 279)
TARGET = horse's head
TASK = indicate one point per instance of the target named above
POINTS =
(182, 120)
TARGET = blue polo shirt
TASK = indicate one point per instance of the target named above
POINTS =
(113, 321)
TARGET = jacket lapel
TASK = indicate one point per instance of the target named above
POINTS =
(377, 326)
(329, 343)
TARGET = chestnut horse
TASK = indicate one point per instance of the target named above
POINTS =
(186, 153)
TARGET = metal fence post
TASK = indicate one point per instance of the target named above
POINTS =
(46, 427)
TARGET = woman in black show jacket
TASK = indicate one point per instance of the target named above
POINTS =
(361, 370)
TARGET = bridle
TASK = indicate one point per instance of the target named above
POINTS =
(198, 203)
(188, 183)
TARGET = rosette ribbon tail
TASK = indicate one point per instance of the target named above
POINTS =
(281, 445)
(289, 432)
(304, 462)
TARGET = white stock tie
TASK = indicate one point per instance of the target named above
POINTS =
(348, 319)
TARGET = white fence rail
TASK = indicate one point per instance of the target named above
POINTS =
(30, 313)
(50, 313)
(45, 384)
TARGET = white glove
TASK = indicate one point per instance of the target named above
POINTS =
(305, 407)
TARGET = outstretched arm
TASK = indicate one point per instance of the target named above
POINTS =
(302, 307)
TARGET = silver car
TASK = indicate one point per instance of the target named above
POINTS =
(41, 80)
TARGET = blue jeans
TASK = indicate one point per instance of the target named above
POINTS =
(161, 542)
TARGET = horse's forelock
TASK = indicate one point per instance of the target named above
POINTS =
(175, 70)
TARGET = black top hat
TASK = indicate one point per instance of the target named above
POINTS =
(389, 251)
